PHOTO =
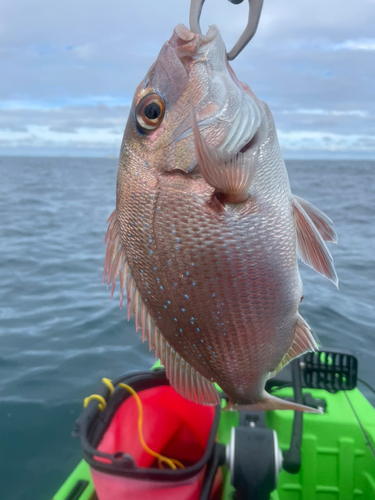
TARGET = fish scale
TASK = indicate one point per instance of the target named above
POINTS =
(208, 234)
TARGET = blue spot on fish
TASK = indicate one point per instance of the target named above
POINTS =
(198, 330)
(168, 301)
(187, 273)
(175, 319)
(150, 252)
(183, 310)
(213, 295)
(161, 288)
(186, 296)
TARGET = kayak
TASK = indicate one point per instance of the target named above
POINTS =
(333, 458)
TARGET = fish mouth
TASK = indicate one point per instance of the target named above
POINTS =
(190, 46)
(238, 129)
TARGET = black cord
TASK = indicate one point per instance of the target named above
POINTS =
(367, 385)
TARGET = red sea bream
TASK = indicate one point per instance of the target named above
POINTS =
(206, 233)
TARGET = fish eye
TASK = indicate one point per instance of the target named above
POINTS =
(149, 112)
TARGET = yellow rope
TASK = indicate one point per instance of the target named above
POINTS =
(108, 383)
(102, 402)
(173, 463)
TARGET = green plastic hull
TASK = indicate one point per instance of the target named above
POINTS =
(337, 463)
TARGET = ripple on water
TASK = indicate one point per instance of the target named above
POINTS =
(59, 331)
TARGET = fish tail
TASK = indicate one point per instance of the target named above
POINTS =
(272, 403)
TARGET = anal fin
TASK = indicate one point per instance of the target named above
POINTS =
(229, 173)
(303, 341)
(310, 245)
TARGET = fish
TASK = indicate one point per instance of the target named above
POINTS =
(206, 234)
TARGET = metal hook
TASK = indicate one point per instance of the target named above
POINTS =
(250, 30)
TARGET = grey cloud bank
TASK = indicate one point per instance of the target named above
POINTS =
(71, 70)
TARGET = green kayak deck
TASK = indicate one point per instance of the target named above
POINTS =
(337, 460)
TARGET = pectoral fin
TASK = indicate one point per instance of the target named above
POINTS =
(320, 220)
(310, 245)
(229, 173)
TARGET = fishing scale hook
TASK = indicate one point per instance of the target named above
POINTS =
(255, 7)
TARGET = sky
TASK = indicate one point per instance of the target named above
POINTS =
(68, 71)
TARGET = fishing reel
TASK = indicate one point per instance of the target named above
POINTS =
(253, 457)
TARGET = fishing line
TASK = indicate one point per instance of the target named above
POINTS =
(368, 442)
(366, 384)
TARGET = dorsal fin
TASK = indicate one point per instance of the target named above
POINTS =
(182, 377)
(303, 341)
(320, 220)
(310, 245)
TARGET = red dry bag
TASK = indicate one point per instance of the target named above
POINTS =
(172, 426)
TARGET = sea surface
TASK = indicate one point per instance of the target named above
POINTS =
(60, 333)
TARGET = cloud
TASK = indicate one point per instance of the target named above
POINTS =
(327, 112)
(306, 140)
(367, 45)
(71, 68)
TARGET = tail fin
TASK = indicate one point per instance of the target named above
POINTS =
(272, 403)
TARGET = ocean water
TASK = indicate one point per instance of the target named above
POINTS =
(60, 333)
